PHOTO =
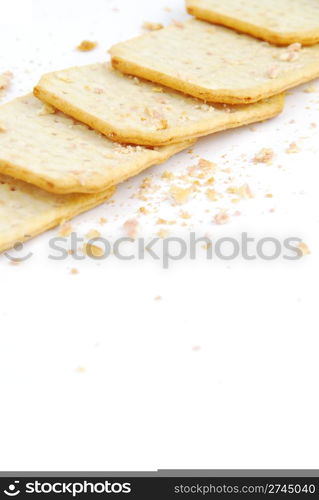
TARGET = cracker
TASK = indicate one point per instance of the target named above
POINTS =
(60, 155)
(139, 112)
(215, 63)
(26, 211)
(278, 21)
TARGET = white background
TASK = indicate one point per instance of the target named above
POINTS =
(223, 371)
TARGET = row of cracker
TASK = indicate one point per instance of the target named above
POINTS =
(54, 167)
(44, 147)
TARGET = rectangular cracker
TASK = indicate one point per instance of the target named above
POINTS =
(58, 154)
(136, 111)
(26, 211)
(215, 63)
(278, 21)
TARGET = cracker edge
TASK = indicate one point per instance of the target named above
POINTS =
(243, 96)
(310, 37)
(41, 224)
(164, 138)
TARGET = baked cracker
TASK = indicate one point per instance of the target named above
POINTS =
(26, 211)
(278, 21)
(58, 154)
(215, 63)
(130, 110)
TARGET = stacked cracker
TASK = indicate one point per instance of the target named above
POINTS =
(96, 127)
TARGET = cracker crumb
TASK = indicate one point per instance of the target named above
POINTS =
(311, 89)
(178, 24)
(185, 215)
(245, 192)
(273, 72)
(74, 270)
(46, 109)
(150, 26)
(206, 164)
(131, 227)
(92, 250)
(93, 233)
(163, 125)
(167, 175)
(303, 247)
(293, 148)
(180, 195)
(65, 230)
(102, 221)
(163, 233)
(81, 369)
(2, 128)
(86, 46)
(265, 155)
(212, 194)
(289, 56)
(196, 348)
(295, 47)
(143, 210)
(222, 218)
(158, 297)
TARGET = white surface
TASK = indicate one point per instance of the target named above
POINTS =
(223, 371)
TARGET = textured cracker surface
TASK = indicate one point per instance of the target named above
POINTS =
(278, 21)
(26, 210)
(136, 111)
(215, 63)
(60, 155)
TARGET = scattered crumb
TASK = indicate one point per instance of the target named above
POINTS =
(131, 228)
(65, 230)
(167, 175)
(222, 218)
(304, 248)
(2, 128)
(74, 271)
(311, 89)
(202, 163)
(149, 26)
(158, 297)
(265, 155)
(212, 194)
(273, 72)
(180, 195)
(163, 125)
(143, 210)
(178, 24)
(163, 233)
(46, 109)
(293, 148)
(295, 47)
(93, 233)
(80, 369)
(92, 250)
(86, 46)
(245, 192)
(102, 221)
(185, 215)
